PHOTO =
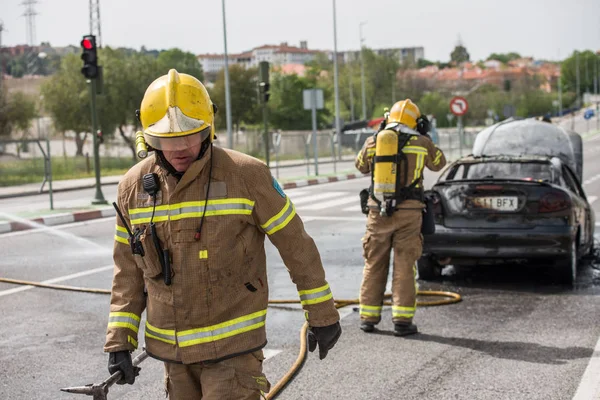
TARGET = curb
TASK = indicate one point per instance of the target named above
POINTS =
(80, 216)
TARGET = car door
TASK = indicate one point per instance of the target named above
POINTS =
(585, 217)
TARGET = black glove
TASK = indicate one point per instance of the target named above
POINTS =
(325, 336)
(121, 361)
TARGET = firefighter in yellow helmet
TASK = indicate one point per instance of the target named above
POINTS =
(395, 157)
(189, 249)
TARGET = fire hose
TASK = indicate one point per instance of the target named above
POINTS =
(100, 391)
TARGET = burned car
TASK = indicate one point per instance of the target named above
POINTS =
(517, 198)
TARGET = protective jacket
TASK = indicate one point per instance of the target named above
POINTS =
(216, 305)
(420, 153)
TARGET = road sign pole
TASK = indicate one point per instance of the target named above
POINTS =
(99, 197)
(314, 126)
(459, 123)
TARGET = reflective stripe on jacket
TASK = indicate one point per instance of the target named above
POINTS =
(216, 305)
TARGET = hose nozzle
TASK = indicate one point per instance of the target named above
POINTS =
(140, 145)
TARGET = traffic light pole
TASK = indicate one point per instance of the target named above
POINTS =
(99, 197)
(266, 133)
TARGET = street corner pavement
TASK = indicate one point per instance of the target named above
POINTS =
(67, 217)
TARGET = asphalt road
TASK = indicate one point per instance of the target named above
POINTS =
(516, 335)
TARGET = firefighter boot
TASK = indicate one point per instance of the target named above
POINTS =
(367, 327)
(405, 329)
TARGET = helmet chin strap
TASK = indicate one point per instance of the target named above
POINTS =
(166, 165)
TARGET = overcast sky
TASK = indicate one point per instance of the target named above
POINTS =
(538, 28)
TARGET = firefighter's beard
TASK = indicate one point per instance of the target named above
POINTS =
(182, 159)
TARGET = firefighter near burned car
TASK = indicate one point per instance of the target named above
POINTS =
(201, 214)
(395, 157)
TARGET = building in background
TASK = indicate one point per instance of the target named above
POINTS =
(404, 55)
(276, 55)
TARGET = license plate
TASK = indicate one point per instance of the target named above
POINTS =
(496, 203)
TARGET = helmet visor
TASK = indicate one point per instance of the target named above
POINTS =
(175, 143)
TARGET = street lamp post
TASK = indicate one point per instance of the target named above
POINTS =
(227, 90)
(338, 129)
(362, 74)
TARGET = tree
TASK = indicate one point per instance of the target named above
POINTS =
(243, 84)
(286, 109)
(504, 58)
(459, 54)
(66, 98)
(16, 112)
(126, 77)
(569, 72)
(183, 62)
(422, 63)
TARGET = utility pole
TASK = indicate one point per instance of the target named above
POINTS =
(577, 78)
(1, 58)
(362, 74)
(393, 86)
(338, 129)
(227, 89)
(95, 22)
(351, 93)
(30, 14)
(560, 89)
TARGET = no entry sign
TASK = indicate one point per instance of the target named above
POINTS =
(459, 106)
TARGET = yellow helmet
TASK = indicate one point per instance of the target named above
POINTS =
(176, 112)
(404, 112)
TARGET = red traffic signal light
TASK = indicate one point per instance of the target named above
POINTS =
(87, 44)
(89, 57)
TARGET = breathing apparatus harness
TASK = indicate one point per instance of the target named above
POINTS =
(402, 192)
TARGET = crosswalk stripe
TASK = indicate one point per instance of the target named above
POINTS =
(352, 209)
(330, 203)
(316, 197)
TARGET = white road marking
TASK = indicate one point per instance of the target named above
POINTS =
(344, 219)
(270, 353)
(297, 192)
(589, 387)
(328, 204)
(591, 180)
(352, 209)
(316, 197)
(65, 226)
(59, 279)
(592, 199)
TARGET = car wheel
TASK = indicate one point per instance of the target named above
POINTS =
(429, 269)
(567, 269)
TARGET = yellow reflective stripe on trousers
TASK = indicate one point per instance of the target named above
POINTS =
(121, 235)
(405, 312)
(370, 311)
(315, 296)
(280, 221)
(192, 209)
(124, 320)
(224, 330)
(164, 335)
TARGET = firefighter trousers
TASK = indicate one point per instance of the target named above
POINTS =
(402, 233)
(237, 378)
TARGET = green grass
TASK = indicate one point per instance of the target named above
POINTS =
(23, 171)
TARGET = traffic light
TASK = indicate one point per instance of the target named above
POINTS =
(89, 57)
(263, 81)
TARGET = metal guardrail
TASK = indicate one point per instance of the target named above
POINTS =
(47, 161)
